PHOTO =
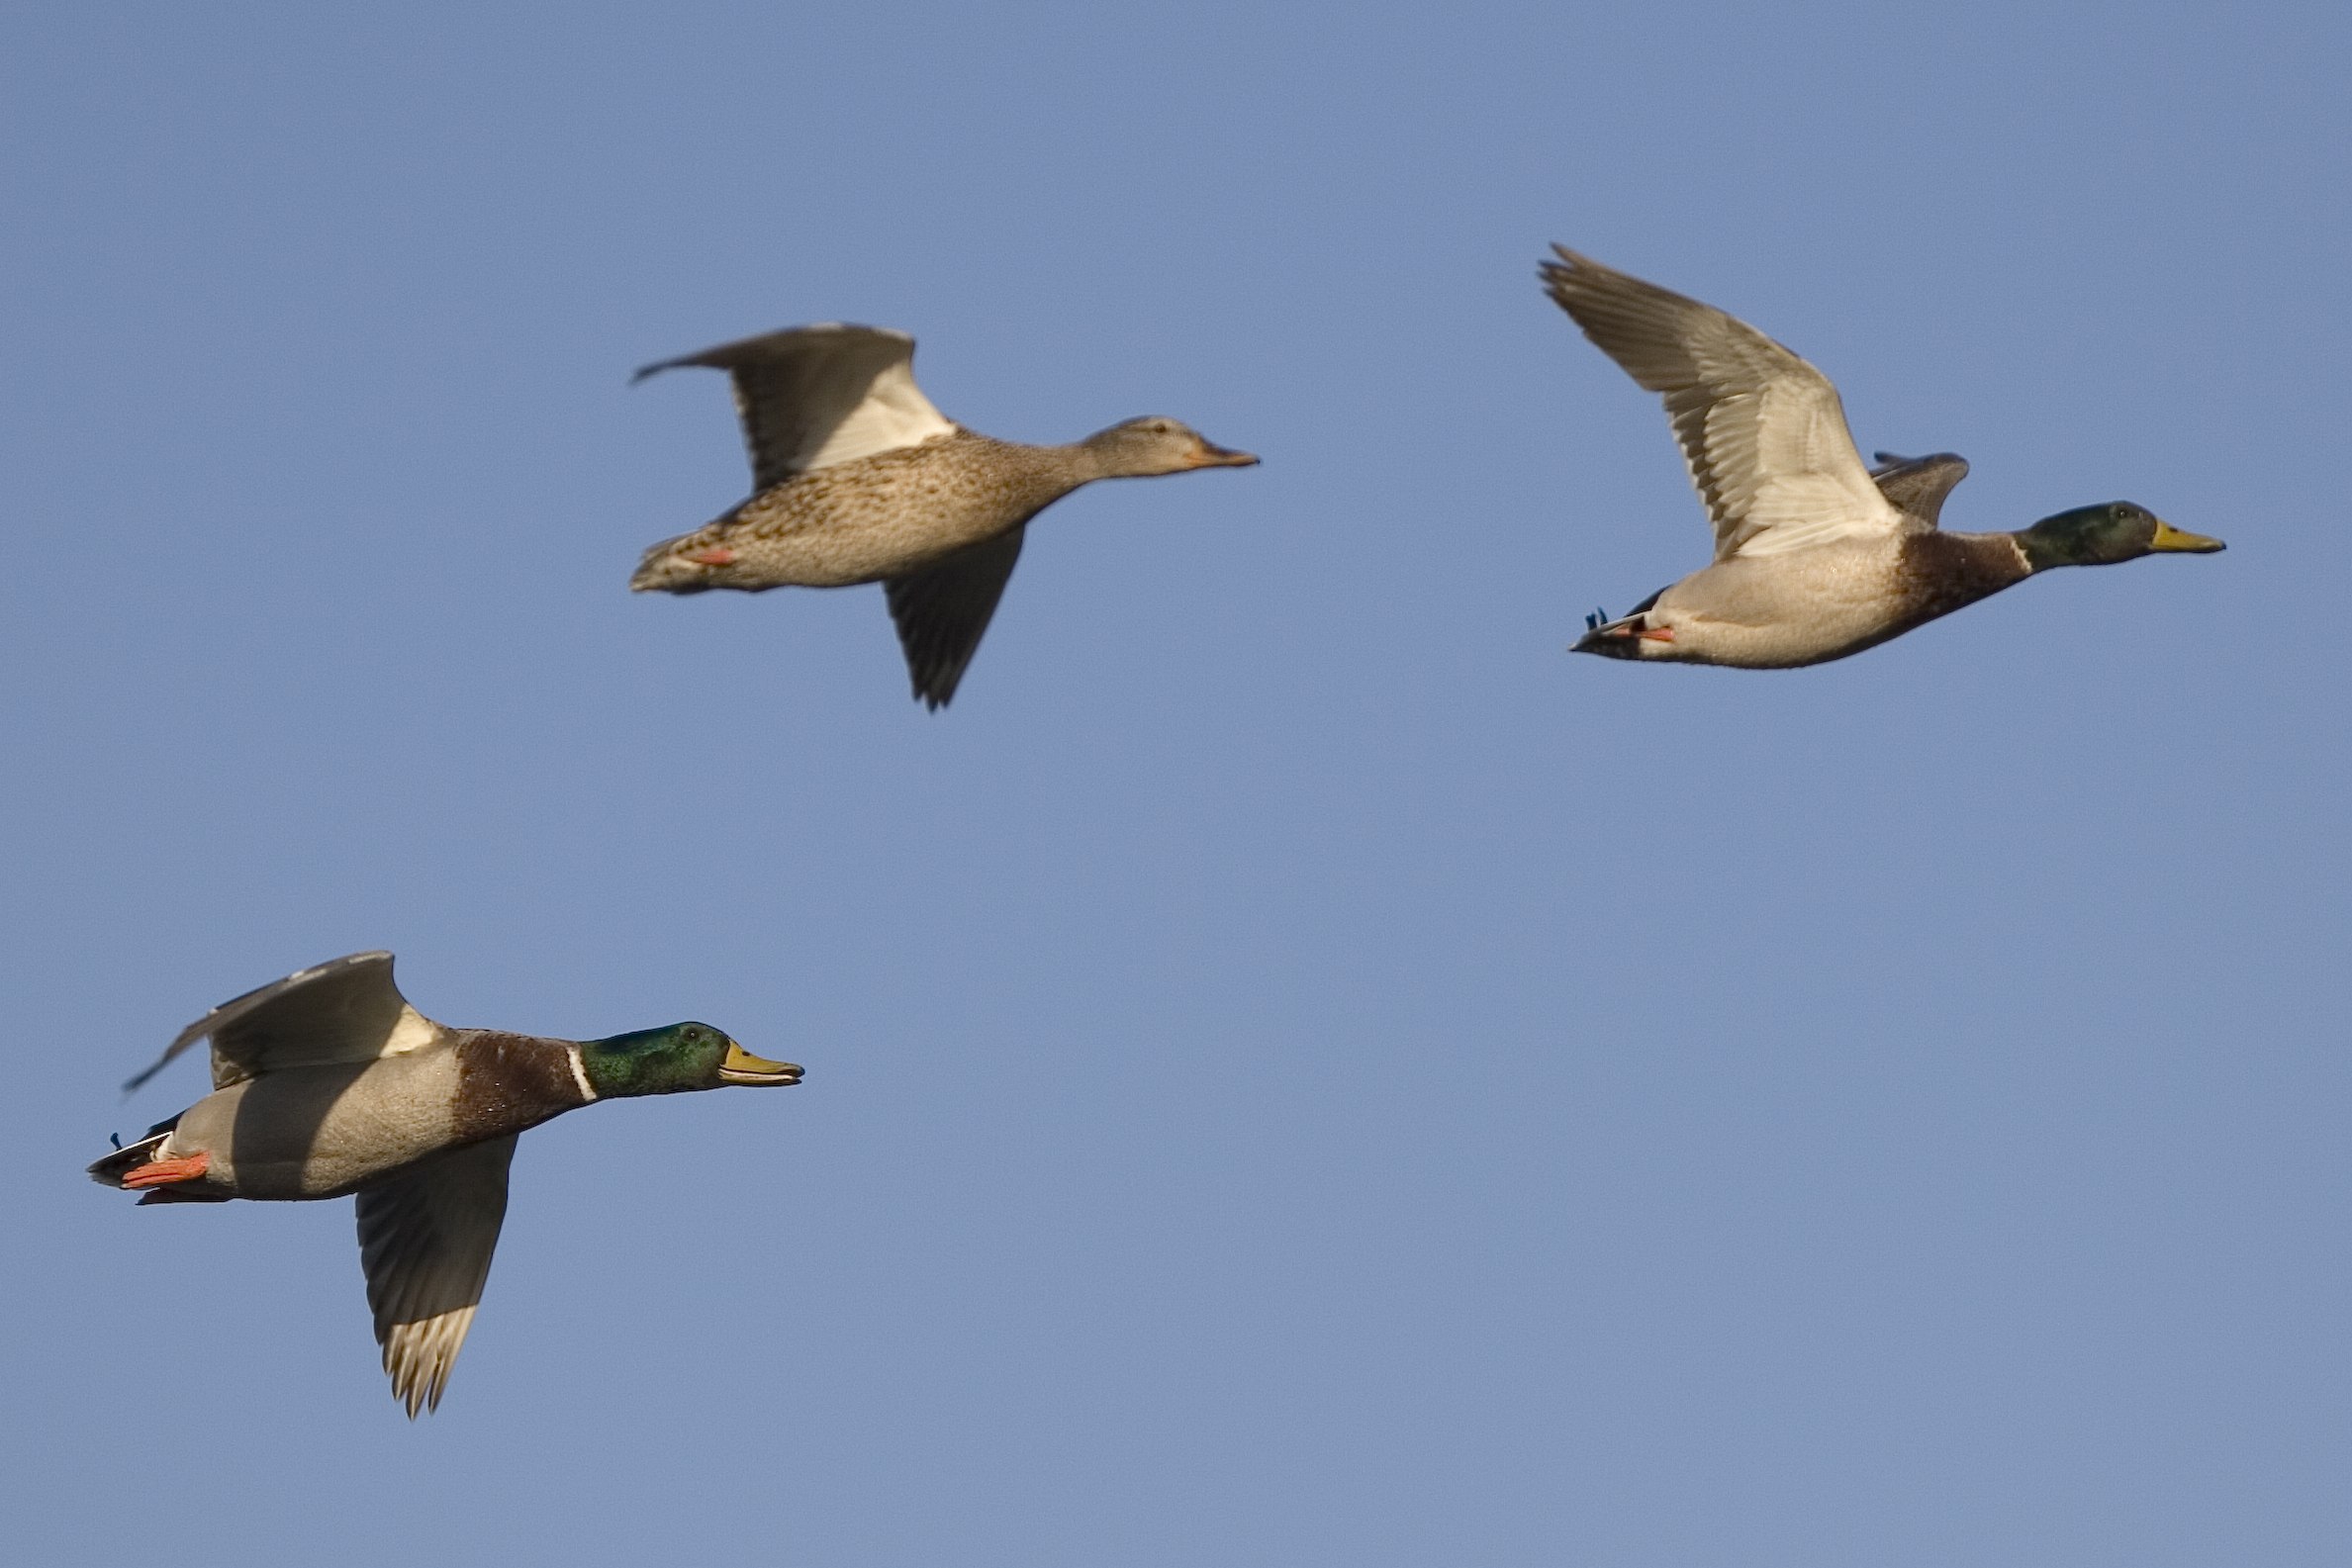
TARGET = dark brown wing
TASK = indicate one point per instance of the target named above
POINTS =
(943, 610)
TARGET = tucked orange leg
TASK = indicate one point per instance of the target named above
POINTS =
(1658, 635)
(717, 555)
(162, 1172)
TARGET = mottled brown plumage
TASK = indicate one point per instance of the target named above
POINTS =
(870, 519)
(862, 481)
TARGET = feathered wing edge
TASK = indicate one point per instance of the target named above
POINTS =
(1762, 432)
(426, 1241)
(813, 397)
(348, 1009)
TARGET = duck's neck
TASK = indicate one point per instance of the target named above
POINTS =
(2039, 551)
(1039, 475)
(1079, 463)
(1941, 572)
(508, 1083)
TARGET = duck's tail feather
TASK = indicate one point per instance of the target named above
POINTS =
(1616, 639)
(120, 1163)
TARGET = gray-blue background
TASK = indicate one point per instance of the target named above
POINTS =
(1300, 1070)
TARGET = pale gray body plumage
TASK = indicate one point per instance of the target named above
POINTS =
(1816, 557)
(327, 1083)
(322, 1132)
(1766, 614)
(858, 479)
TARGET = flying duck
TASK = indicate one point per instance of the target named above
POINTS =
(857, 478)
(327, 1083)
(1816, 557)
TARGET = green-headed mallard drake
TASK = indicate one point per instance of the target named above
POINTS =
(1815, 556)
(858, 479)
(328, 1083)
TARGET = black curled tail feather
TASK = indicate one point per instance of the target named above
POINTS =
(1617, 639)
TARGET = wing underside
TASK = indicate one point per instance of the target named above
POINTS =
(1763, 432)
(943, 611)
(425, 1240)
(813, 397)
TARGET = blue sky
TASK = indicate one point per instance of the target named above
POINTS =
(1300, 1069)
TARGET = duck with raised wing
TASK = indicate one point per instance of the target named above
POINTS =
(1816, 557)
(328, 1083)
(858, 479)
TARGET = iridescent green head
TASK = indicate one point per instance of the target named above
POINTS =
(674, 1061)
(2104, 535)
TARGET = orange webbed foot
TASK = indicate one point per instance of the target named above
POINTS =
(162, 1172)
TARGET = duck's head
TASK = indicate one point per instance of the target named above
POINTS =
(2104, 535)
(674, 1061)
(1157, 444)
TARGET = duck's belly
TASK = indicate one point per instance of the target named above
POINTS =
(1782, 614)
(1786, 645)
(319, 1132)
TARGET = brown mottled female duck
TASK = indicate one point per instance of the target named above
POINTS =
(328, 1083)
(858, 479)
(1816, 557)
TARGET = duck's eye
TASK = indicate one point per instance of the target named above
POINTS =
(694, 1037)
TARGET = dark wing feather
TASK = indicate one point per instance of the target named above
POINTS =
(943, 610)
(426, 1238)
(1918, 484)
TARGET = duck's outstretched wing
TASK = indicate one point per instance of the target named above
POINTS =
(811, 397)
(943, 610)
(425, 1237)
(343, 1010)
(1918, 484)
(1764, 431)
